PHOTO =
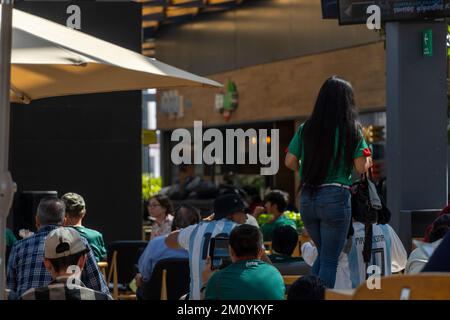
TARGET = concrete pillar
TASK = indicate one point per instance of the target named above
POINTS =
(416, 122)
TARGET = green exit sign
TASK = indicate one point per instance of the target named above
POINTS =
(427, 43)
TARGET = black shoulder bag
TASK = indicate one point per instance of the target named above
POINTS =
(363, 211)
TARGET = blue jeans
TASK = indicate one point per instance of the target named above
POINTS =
(326, 216)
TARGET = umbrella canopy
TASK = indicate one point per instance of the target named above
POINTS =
(50, 60)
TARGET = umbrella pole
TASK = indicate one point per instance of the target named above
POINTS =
(7, 186)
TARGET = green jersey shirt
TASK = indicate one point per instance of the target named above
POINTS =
(268, 228)
(342, 175)
(246, 280)
(95, 240)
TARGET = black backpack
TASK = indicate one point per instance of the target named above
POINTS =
(364, 212)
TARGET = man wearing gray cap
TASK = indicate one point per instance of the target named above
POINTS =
(65, 255)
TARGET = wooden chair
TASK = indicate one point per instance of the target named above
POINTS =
(298, 251)
(335, 294)
(288, 280)
(113, 273)
(122, 257)
(115, 280)
(169, 281)
(103, 265)
(423, 286)
(164, 285)
(146, 233)
(268, 246)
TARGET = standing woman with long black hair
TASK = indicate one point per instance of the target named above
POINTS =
(324, 150)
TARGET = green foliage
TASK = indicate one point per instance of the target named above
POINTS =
(150, 186)
(265, 218)
(448, 40)
(296, 217)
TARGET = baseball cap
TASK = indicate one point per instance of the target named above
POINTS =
(63, 242)
(227, 204)
(73, 201)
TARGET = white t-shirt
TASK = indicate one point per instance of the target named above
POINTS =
(388, 253)
(195, 239)
(251, 220)
(420, 256)
(309, 254)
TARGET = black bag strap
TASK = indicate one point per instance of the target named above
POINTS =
(367, 249)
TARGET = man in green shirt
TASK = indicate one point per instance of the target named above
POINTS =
(275, 203)
(248, 277)
(75, 212)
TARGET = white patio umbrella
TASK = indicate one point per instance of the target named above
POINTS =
(48, 60)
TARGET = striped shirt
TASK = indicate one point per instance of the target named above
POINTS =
(388, 253)
(26, 265)
(195, 239)
(58, 290)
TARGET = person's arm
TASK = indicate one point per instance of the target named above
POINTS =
(180, 238)
(362, 158)
(172, 240)
(294, 151)
(206, 275)
(146, 261)
(291, 161)
(415, 266)
(362, 164)
(258, 211)
(91, 275)
(399, 257)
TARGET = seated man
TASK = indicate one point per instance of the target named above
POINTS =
(228, 213)
(157, 250)
(275, 204)
(26, 267)
(75, 212)
(65, 255)
(248, 277)
(284, 242)
(420, 256)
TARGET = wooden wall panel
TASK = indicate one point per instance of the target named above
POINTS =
(288, 88)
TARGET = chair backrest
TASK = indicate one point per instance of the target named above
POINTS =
(268, 246)
(288, 280)
(177, 280)
(423, 286)
(128, 253)
(292, 268)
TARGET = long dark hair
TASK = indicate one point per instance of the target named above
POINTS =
(335, 109)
